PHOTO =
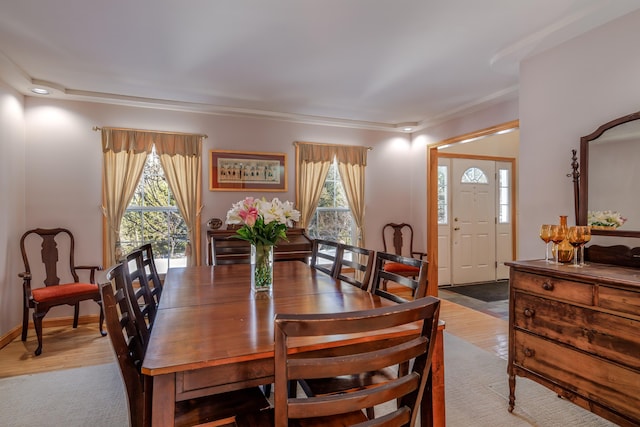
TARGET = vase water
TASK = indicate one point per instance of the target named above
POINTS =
(261, 268)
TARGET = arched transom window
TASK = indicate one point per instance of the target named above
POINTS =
(474, 176)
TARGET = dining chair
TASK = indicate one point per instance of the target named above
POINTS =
(399, 237)
(394, 285)
(134, 268)
(324, 255)
(129, 350)
(401, 289)
(354, 265)
(346, 408)
(48, 254)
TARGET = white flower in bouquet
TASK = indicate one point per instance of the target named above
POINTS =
(605, 219)
(263, 222)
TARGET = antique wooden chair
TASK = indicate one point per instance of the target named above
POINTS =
(129, 350)
(399, 237)
(394, 285)
(324, 256)
(53, 245)
(346, 407)
(354, 265)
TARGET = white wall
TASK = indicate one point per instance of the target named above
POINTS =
(567, 93)
(12, 205)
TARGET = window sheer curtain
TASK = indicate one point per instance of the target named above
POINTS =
(181, 159)
(125, 152)
(124, 155)
(313, 161)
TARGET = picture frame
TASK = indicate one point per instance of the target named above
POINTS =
(247, 171)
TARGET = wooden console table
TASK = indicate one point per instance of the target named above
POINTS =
(227, 250)
(577, 332)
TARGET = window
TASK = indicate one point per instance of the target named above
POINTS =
(332, 219)
(504, 204)
(474, 176)
(443, 191)
(153, 217)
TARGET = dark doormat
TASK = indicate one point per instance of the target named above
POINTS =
(488, 292)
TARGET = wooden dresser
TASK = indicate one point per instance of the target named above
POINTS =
(577, 332)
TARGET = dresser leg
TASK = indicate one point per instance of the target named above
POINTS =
(512, 392)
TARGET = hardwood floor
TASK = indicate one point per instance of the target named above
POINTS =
(64, 347)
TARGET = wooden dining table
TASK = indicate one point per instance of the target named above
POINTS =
(213, 334)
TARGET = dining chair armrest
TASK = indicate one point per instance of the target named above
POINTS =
(26, 284)
(420, 254)
(92, 271)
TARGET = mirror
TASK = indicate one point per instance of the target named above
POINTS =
(610, 176)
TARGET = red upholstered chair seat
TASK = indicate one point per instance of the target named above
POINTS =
(397, 268)
(50, 293)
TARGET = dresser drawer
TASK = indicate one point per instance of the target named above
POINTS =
(612, 337)
(577, 292)
(603, 382)
(619, 300)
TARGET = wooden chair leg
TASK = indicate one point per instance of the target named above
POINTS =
(100, 325)
(37, 323)
(25, 322)
(76, 313)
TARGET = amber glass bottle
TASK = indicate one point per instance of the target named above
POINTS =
(564, 249)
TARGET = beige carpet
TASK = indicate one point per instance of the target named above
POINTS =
(476, 395)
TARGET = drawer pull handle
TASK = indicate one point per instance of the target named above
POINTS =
(529, 312)
(547, 286)
(528, 352)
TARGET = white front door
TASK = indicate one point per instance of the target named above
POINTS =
(473, 221)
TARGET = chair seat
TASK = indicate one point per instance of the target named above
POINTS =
(398, 268)
(52, 293)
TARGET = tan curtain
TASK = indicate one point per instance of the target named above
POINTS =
(351, 165)
(312, 163)
(125, 152)
(181, 159)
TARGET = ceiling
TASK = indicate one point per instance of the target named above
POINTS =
(378, 64)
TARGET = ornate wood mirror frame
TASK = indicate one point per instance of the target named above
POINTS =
(616, 135)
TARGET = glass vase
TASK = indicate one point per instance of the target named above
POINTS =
(261, 267)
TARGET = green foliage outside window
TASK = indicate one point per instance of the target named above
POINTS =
(332, 219)
(153, 217)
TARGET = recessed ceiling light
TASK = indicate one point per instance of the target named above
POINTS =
(40, 91)
(407, 129)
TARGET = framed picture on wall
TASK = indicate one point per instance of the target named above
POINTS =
(247, 171)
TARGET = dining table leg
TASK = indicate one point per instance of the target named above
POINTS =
(164, 400)
(432, 408)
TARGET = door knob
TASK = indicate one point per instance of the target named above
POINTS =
(457, 228)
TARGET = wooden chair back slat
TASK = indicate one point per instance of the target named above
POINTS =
(324, 256)
(358, 261)
(404, 288)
